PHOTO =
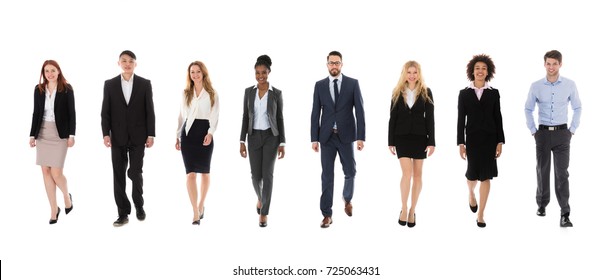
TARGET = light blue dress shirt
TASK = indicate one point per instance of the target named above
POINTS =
(553, 100)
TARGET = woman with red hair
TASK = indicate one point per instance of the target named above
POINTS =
(52, 132)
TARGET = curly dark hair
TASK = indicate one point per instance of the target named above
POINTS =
(486, 60)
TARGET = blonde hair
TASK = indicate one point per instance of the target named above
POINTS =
(188, 92)
(420, 89)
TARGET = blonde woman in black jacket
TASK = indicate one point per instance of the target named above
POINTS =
(411, 134)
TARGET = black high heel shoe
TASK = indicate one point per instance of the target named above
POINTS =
(263, 221)
(71, 205)
(481, 225)
(474, 208)
(56, 217)
(400, 222)
(413, 223)
(196, 223)
(202, 214)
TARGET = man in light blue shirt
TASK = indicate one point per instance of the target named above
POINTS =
(553, 95)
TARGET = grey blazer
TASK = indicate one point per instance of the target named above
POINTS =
(275, 112)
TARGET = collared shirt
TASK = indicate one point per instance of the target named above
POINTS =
(199, 109)
(409, 97)
(260, 110)
(479, 91)
(553, 100)
(127, 86)
(49, 114)
(331, 86)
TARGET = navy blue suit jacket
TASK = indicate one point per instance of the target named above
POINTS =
(350, 124)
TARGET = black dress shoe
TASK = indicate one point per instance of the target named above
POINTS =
(400, 222)
(541, 211)
(140, 214)
(196, 223)
(481, 225)
(565, 221)
(71, 205)
(263, 221)
(122, 220)
(56, 217)
(414, 222)
(474, 208)
(258, 211)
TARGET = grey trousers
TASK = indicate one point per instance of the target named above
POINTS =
(557, 142)
(263, 147)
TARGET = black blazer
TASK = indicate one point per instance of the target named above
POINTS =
(418, 120)
(275, 113)
(482, 115)
(65, 115)
(122, 121)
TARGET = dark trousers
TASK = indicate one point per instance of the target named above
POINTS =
(557, 142)
(120, 156)
(263, 145)
(329, 150)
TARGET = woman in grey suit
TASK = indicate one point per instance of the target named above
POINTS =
(262, 120)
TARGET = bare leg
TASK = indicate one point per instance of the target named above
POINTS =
(62, 184)
(406, 165)
(50, 188)
(192, 190)
(205, 182)
(485, 187)
(417, 185)
(471, 188)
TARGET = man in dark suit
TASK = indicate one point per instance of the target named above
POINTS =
(128, 126)
(334, 126)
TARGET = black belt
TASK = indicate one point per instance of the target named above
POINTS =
(553, 127)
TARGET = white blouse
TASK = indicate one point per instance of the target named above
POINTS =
(49, 113)
(198, 109)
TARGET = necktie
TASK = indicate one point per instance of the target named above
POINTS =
(336, 94)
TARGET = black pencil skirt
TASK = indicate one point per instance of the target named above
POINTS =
(480, 149)
(196, 156)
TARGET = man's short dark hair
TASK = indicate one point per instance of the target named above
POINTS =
(336, 53)
(554, 54)
(128, 53)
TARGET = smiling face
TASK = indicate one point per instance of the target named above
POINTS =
(196, 74)
(552, 68)
(480, 72)
(261, 74)
(51, 73)
(127, 64)
(334, 65)
(412, 76)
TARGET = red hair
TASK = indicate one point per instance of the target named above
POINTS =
(62, 84)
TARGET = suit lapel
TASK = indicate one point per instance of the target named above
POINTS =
(120, 90)
(135, 89)
(271, 100)
(251, 100)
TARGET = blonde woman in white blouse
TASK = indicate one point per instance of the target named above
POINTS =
(198, 119)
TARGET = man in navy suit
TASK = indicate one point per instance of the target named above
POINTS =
(335, 127)
(128, 126)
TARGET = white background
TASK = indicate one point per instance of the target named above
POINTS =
(376, 39)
